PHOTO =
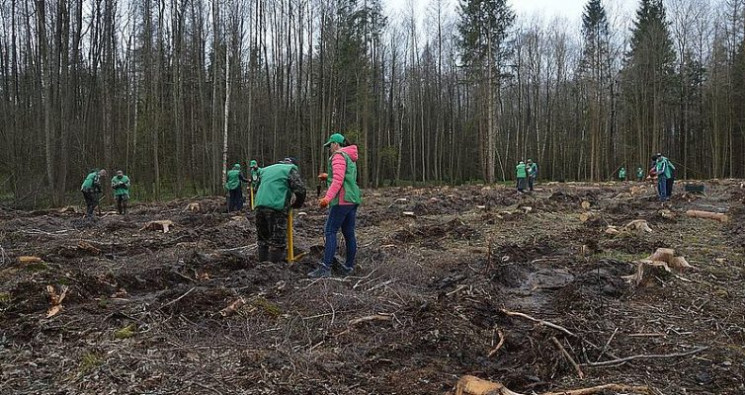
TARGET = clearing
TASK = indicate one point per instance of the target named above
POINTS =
(120, 308)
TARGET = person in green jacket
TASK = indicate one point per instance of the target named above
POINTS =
(91, 190)
(254, 168)
(522, 174)
(277, 184)
(622, 174)
(532, 170)
(235, 188)
(639, 174)
(664, 170)
(120, 184)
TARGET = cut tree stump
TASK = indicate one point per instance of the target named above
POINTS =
(657, 266)
(158, 225)
(472, 385)
(721, 217)
(637, 225)
(193, 207)
(589, 216)
(667, 214)
(585, 205)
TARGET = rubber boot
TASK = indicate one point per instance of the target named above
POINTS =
(263, 252)
(277, 255)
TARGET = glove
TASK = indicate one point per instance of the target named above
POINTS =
(323, 203)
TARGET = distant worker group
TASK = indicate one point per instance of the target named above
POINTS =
(661, 169)
(274, 191)
(526, 174)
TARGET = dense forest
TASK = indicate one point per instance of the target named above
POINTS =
(171, 90)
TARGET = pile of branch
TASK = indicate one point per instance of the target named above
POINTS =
(637, 226)
(657, 265)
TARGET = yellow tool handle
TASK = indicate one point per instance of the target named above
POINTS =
(290, 247)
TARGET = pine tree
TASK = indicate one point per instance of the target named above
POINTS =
(483, 28)
(596, 81)
(648, 78)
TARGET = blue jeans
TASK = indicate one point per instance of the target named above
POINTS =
(340, 216)
(662, 187)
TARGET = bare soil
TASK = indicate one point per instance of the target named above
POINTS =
(426, 304)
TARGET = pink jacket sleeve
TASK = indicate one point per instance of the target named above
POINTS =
(339, 168)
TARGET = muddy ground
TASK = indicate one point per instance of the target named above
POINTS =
(426, 305)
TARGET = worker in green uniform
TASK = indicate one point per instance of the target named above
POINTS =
(235, 188)
(622, 174)
(120, 184)
(521, 173)
(278, 184)
(91, 190)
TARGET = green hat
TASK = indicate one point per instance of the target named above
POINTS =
(253, 163)
(334, 138)
(237, 166)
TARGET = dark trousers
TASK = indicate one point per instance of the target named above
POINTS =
(669, 186)
(271, 233)
(235, 200)
(662, 187)
(341, 217)
(121, 204)
(531, 180)
(91, 201)
(520, 183)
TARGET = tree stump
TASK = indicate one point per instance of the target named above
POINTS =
(163, 225)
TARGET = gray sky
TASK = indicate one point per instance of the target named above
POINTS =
(571, 10)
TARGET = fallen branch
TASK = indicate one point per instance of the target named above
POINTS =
(641, 389)
(542, 322)
(646, 356)
(179, 298)
(605, 347)
(568, 357)
(374, 317)
(721, 217)
(383, 284)
(499, 345)
(29, 259)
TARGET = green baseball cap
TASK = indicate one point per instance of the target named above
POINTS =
(253, 163)
(334, 138)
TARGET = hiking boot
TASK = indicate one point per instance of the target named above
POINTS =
(320, 272)
(343, 270)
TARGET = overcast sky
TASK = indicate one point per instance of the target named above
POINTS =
(571, 10)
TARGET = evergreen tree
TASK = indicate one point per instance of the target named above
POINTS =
(483, 28)
(648, 78)
(596, 80)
